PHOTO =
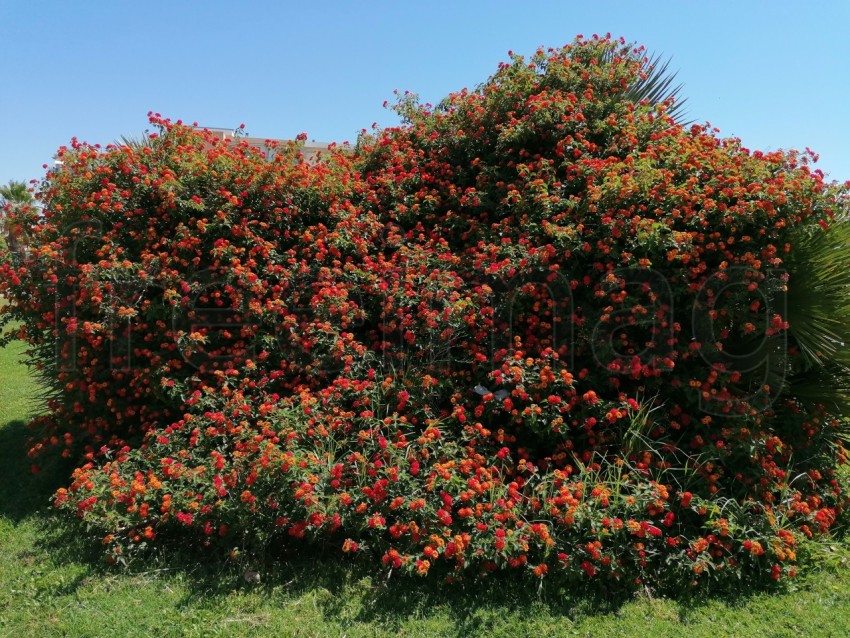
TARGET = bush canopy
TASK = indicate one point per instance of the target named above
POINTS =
(541, 326)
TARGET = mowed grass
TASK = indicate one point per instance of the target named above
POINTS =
(52, 583)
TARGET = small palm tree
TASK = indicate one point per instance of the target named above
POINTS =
(819, 315)
(14, 198)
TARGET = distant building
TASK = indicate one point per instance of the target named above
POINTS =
(309, 149)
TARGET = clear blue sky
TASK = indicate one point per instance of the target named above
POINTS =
(776, 74)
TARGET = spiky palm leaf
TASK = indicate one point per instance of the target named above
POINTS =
(134, 142)
(818, 302)
(819, 292)
(827, 386)
(656, 86)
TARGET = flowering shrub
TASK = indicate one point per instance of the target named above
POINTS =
(540, 327)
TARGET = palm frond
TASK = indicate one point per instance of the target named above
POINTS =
(827, 387)
(818, 303)
(136, 142)
(819, 293)
(656, 85)
(16, 193)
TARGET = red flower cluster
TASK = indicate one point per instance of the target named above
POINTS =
(515, 332)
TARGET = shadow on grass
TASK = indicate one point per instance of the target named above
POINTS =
(25, 497)
(23, 493)
(355, 591)
(347, 593)
(475, 606)
(359, 591)
(344, 590)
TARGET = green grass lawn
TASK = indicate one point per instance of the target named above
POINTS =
(52, 584)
